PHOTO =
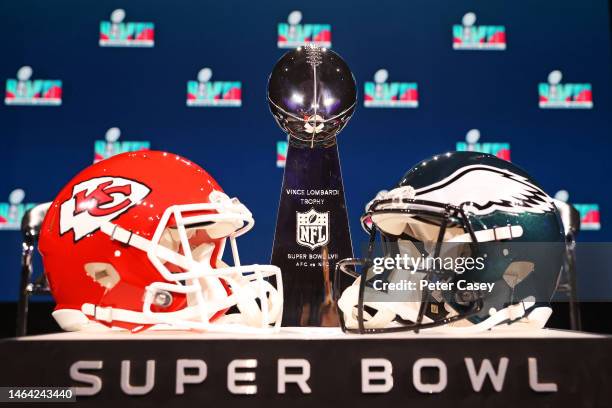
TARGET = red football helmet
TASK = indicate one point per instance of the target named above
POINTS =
(136, 240)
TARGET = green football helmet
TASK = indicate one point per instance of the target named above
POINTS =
(446, 209)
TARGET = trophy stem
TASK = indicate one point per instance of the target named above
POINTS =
(312, 234)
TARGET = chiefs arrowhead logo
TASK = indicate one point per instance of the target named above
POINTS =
(99, 200)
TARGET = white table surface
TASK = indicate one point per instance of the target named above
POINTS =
(305, 333)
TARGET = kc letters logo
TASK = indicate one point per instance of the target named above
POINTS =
(383, 94)
(32, 92)
(98, 201)
(554, 94)
(467, 36)
(116, 33)
(205, 93)
(292, 34)
(312, 229)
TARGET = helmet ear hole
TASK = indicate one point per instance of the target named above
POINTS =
(104, 274)
(517, 272)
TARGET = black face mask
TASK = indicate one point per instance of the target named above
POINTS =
(431, 307)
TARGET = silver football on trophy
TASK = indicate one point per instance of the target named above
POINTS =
(312, 95)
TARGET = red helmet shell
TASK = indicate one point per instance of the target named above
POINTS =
(131, 190)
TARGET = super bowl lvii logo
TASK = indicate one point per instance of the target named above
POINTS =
(468, 36)
(554, 94)
(589, 213)
(292, 34)
(281, 153)
(117, 33)
(12, 212)
(32, 92)
(472, 144)
(203, 92)
(589, 216)
(383, 94)
(103, 149)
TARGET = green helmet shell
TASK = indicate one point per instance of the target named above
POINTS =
(495, 193)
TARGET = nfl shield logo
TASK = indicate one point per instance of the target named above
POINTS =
(312, 229)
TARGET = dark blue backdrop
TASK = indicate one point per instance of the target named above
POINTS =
(142, 91)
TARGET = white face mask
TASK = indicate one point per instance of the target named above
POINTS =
(210, 286)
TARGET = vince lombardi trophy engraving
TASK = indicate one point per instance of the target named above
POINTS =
(312, 95)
